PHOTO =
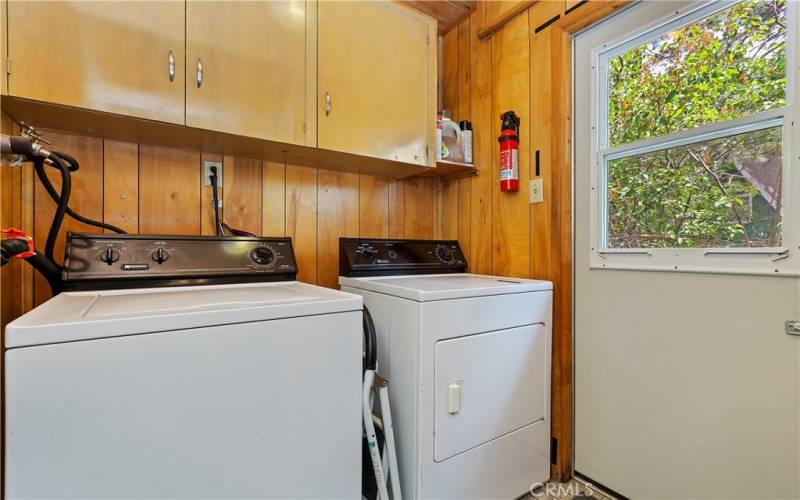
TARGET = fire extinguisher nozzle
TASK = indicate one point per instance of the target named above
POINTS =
(510, 121)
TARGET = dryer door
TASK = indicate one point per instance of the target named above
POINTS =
(487, 385)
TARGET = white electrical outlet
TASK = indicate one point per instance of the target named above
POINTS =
(207, 172)
(536, 190)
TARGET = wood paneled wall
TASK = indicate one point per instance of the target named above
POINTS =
(148, 189)
(482, 79)
(518, 69)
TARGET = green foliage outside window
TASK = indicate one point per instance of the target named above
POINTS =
(719, 193)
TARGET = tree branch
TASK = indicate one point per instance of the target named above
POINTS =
(721, 188)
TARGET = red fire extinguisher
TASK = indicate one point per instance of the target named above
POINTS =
(509, 152)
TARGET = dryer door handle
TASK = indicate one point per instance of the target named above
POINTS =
(454, 397)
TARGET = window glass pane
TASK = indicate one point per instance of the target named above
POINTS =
(727, 65)
(714, 194)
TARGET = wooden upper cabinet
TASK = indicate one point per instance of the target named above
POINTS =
(105, 56)
(251, 58)
(377, 80)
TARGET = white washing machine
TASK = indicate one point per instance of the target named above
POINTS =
(467, 358)
(244, 384)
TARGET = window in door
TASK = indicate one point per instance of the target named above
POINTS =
(693, 126)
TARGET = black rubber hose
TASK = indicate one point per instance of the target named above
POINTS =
(219, 225)
(61, 201)
(49, 270)
(15, 246)
(370, 341)
(11, 247)
(40, 172)
(71, 161)
(215, 201)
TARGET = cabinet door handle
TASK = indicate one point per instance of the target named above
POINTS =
(199, 72)
(327, 104)
(171, 65)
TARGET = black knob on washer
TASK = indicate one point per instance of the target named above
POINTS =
(109, 256)
(263, 256)
(160, 255)
(444, 253)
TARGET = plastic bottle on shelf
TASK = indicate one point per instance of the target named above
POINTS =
(440, 147)
(466, 138)
(452, 149)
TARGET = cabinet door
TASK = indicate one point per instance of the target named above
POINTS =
(253, 59)
(377, 80)
(106, 56)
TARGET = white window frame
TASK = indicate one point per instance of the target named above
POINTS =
(781, 261)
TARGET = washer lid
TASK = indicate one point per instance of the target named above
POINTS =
(72, 316)
(427, 287)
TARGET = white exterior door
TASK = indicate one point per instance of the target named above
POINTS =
(686, 384)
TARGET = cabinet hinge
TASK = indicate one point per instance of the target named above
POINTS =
(553, 451)
(427, 38)
(304, 127)
(8, 66)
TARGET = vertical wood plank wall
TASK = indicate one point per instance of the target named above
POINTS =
(148, 189)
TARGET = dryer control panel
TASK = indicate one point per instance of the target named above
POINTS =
(360, 257)
(104, 261)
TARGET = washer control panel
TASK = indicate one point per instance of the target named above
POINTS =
(96, 261)
(377, 257)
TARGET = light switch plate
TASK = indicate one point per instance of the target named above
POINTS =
(536, 190)
(207, 172)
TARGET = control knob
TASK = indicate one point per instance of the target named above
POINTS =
(109, 256)
(263, 256)
(369, 252)
(444, 254)
(160, 255)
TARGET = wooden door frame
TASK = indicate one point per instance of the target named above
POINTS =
(562, 407)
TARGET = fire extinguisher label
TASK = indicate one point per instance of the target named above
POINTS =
(509, 165)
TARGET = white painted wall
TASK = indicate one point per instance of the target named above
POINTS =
(686, 385)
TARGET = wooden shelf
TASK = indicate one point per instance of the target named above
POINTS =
(130, 129)
(450, 170)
